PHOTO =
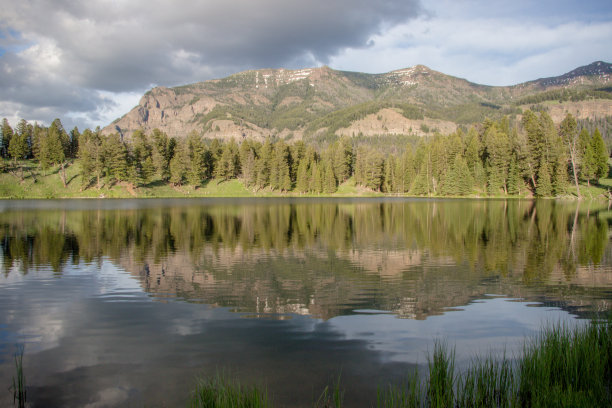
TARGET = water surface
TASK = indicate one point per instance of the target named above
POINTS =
(126, 302)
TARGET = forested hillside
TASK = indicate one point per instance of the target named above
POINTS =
(534, 157)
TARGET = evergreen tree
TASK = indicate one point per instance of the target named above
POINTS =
(498, 155)
(343, 158)
(302, 182)
(569, 135)
(283, 164)
(90, 158)
(298, 150)
(535, 145)
(463, 177)
(374, 170)
(179, 164)
(141, 159)
(329, 180)
(24, 129)
(422, 182)
(316, 179)
(560, 177)
(18, 147)
(247, 162)
(545, 188)
(600, 154)
(115, 158)
(226, 167)
(51, 149)
(197, 158)
(514, 178)
(586, 156)
(163, 151)
(588, 167)
(73, 145)
(7, 134)
(262, 167)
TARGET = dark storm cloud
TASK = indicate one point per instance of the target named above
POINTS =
(55, 56)
(121, 46)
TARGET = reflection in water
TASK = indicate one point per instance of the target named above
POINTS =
(329, 258)
(113, 297)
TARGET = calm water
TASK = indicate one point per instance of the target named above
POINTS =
(126, 302)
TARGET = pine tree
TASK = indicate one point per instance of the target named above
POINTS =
(374, 170)
(226, 167)
(302, 184)
(586, 154)
(262, 167)
(141, 167)
(535, 144)
(115, 158)
(343, 158)
(545, 188)
(24, 129)
(329, 180)
(569, 135)
(409, 169)
(498, 153)
(73, 146)
(7, 134)
(90, 158)
(514, 179)
(316, 179)
(51, 150)
(163, 151)
(179, 165)
(247, 162)
(600, 154)
(18, 147)
(197, 158)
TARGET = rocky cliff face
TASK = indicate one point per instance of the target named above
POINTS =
(297, 103)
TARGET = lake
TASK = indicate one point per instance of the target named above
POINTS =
(127, 302)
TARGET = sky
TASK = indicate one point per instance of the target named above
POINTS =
(89, 62)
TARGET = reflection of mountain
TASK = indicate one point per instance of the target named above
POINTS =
(414, 258)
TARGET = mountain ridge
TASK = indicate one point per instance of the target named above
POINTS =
(321, 101)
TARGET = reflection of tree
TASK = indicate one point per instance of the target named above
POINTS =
(301, 249)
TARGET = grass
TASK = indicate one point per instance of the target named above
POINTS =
(39, 184)
(18, 387)
(220, 391)
(561, 367)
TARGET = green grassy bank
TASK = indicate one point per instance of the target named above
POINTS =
(31, 182)
(561, 367)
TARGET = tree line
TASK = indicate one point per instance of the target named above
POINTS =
(533, 157)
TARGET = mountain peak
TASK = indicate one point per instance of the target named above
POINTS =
(598, 71)
(319, 100)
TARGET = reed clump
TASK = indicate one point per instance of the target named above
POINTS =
(220, 391)
(560, 367)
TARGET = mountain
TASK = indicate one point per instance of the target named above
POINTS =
(325, 102)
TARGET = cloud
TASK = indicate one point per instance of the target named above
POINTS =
(88, 60)
(58, 55)
(484, 49)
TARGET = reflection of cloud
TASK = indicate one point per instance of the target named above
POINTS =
(495, 326)
(110, 397)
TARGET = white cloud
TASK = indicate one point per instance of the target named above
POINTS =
(89, 60)
(484, 50)
(61, 54)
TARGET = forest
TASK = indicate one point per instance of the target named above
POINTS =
(533, 157)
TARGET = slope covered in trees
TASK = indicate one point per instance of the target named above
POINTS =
(494, 158)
